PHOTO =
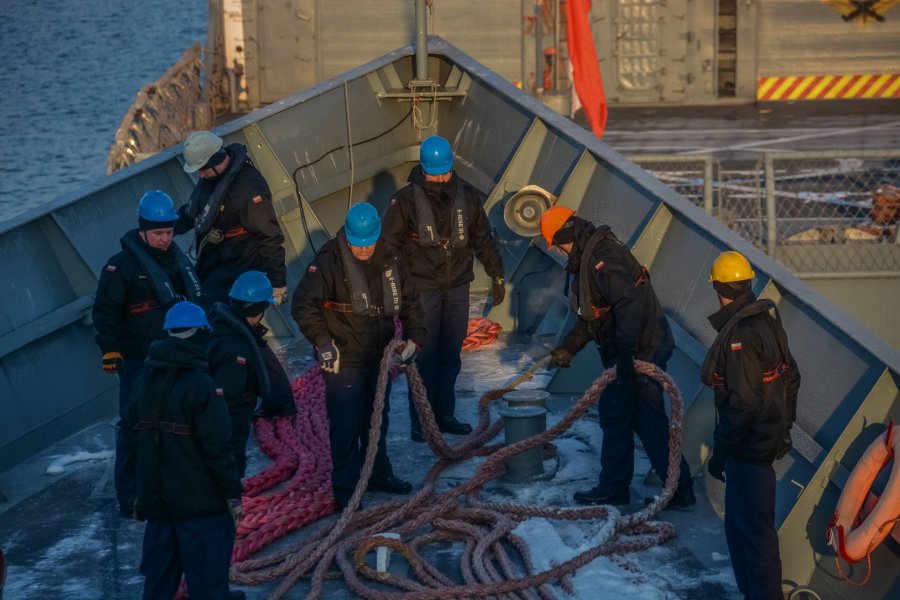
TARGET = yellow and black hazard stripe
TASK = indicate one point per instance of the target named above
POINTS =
(828, 87)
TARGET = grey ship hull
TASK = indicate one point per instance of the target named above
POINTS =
(503, 139)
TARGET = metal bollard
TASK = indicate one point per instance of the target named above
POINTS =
(524, 422)
(527, 398)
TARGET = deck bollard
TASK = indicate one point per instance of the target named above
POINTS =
(527, 398)
(523, 422)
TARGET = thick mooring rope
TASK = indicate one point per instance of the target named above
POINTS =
(491, 554)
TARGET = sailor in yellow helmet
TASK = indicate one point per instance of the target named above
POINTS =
(755, 381)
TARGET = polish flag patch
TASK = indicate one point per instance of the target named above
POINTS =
(111, 268)
(241, 360)
(220, 392)
(599, 265)
(257, 199)
(737, 346)
(393, 201)
(312, 269)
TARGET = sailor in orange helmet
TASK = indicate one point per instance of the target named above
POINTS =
(755, 381)
(619, 311)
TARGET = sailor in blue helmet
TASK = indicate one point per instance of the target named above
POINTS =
(438, 226)
(345, 305)
(241, 361)
(136, 287)
(177, 439)
(233, 218)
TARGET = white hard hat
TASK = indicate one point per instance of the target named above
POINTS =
(199, 148)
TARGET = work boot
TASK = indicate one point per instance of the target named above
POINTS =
(416, 435)
(391, 485)
(273, 412)
(454, 426)
(600, 495)
(681, 499)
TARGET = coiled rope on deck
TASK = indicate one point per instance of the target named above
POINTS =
(493, 559)
(480, 332)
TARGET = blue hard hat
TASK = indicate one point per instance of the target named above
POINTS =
(252, 286)
(185, 315)
(362, 226)
(436, 155)
(157, 206)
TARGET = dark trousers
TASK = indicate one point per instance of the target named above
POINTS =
(126, 486)
(750, 529)
(621, 416)
(240, 433)
(439, 362)
(199, 548)
(280, 397)
(349, 399)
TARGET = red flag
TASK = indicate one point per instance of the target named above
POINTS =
(586, 69)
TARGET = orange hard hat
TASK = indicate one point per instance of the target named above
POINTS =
(552, 221)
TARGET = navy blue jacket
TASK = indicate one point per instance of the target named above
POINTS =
(177, 435)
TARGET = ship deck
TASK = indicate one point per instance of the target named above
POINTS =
(64, 538)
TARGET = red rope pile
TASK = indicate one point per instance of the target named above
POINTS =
(480, 332)
(300, 451)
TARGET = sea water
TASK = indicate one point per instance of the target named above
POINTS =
(73, 68)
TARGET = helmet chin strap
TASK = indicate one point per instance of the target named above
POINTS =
(184, 334)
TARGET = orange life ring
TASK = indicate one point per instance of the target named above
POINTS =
(853, 544)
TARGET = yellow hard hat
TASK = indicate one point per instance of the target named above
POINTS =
(731, 266)
(552, 221)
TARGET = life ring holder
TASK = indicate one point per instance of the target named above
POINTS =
(855, 543)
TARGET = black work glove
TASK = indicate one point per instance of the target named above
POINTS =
(330, 357)
(716, 466)
(113, 363)
(560, 357)
(409, 352)
(498, 291)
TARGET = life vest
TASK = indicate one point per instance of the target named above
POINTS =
(159, 279)
(204, 206)
(360, 296)
(239, 324)
(851, 541)
(427, 234)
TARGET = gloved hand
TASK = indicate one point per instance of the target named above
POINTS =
(716, 466)
(560, 357)
(498, 291)
(280, 295)
(234, 507)
(409, 352)
(330, 357)
(113, 363)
